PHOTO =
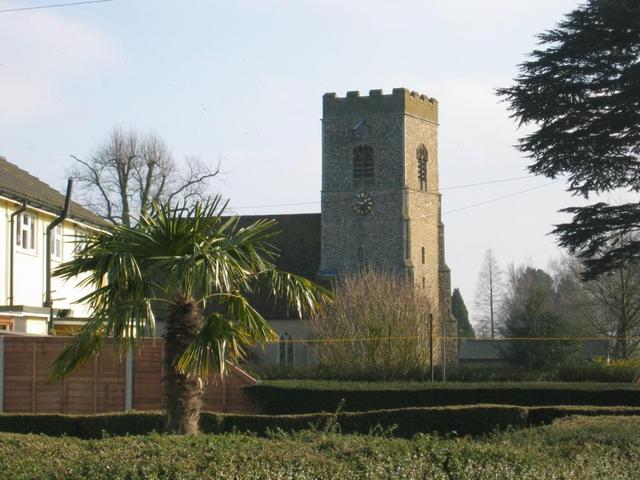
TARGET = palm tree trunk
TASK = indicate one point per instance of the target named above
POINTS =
(183, 392)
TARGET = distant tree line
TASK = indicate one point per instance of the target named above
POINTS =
(529, 302)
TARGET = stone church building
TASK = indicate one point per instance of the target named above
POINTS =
(380, 206)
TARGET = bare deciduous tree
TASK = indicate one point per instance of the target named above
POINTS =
(610, 304)
(377, 323)
(489, 292)
(129, 171)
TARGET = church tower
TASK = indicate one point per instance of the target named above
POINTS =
(380, 194)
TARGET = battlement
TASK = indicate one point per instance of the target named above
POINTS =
(401, 100)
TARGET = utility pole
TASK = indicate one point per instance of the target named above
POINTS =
(431, 346)
(444, 350)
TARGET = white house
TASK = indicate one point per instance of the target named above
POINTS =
(29, 208)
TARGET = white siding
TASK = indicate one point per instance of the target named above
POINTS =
(30, 267)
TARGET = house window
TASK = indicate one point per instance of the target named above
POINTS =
(422, 156)
(362, 166)
(424, 255)
(56, 242)
(79, 238)
(285, 349)
(6, 325)
(26, 231)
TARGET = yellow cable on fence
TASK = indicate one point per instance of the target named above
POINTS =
(439, 337)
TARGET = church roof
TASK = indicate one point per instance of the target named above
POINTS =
(298, 241)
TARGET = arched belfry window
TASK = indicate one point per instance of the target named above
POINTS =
(285, 348)
(423, 157)
(362, 166)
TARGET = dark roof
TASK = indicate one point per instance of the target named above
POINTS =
(21, 186)
(298, 241)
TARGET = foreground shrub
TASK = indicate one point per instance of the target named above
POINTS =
(309, 396)
(598, 372)
(376, 321)
(550, 452)
(404, 422)
(578, 372)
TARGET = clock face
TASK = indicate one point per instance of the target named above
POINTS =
(362, 203)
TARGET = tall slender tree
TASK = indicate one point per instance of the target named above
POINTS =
(489, 291)
(194, 260)
(460, 313)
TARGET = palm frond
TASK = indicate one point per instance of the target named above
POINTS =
(219, 340)
(84, 345)
(298, 292)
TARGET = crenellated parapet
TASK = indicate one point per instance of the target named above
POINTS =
(401, 100)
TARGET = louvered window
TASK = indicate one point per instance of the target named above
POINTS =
(422, 156)
(362, 166)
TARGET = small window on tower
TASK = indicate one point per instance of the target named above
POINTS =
(424, 255)
(422, 156)
(362, 166)
(361, 256)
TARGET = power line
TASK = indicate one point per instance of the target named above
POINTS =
(451, 338)
(54, 5)
(489, 182)
(466, 207)
(499, 198)
(454, 187)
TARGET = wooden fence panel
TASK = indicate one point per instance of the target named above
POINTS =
(49, 396)
(18, 375)
(147, 376)
(111, 382)
(100, 385)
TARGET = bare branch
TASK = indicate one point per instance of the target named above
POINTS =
(128, 171)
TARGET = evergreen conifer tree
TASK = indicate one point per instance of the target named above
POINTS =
(581, 92)
(460, 313)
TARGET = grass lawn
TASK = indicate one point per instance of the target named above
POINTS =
(577, 447)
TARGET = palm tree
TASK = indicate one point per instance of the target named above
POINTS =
(193, 261)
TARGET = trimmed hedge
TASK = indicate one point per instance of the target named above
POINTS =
(288, 397)
(405, 422)
(578, 448)
(467, 420)
(83, 426)
(580, 372)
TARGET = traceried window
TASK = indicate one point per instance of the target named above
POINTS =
(26, 231)
(362, 166)
(56, 242)
(285, 349)
(422, 156)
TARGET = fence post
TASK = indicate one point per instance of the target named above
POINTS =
(128, 381)
(1, 374)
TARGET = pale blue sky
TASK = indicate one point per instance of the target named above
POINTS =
(243, 82)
